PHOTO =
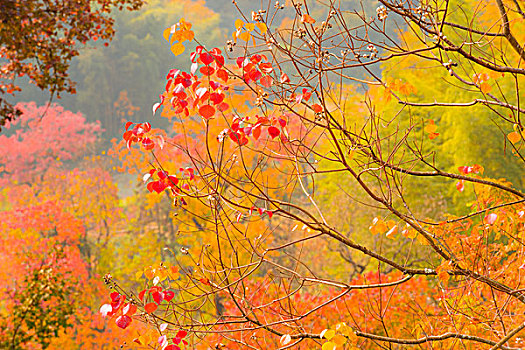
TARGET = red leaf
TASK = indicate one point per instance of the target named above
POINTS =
(240, 61)
(157, 186)
(150, 307)
(223, 107)
(306, 94)
(141, 294)
(172, 347)
(148, 144)
(115, 296)
(157, 297)
(216, 98)
(282, 122)
(204, 281)
(465, 169)
(270, 213)
(128, 124)
(129, 309)
(222, 74)
(235, 137)
(256, 58)
(273, 131)
(317, 108)
(168, 295)
(266, 81)
(460, 185)
(207, 111)
(173, 180)
(149, 186)
(256, 131)
(235, 124)
(284, 78)
(206, 58)
(207, 70)
(123, 321)
(181, 334)
(243, 141)
(266, 68)
(255, 75)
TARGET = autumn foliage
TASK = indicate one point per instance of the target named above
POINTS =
(292, 114)
(333, 177)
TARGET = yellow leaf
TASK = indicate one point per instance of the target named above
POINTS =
(262, 27)
(342, 328)
(138, 275)
(238, 24)
(329, 346)
(250, 27)
(161, 273)
(245, 36)
(327, 334)
(409, 232)
(514, 137)
(352, 337)
(177, 49)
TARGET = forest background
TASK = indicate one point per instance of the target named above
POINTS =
(75, 207)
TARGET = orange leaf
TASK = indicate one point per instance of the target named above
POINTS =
(238, 24)
(245, 36)
(430, 127)
(177, 49)
(262, 27)
(306, 18)
(514, 137)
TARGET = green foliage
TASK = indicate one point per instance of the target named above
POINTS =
(136, 62)
(43, 305)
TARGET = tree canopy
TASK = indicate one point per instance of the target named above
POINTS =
(40, 38)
